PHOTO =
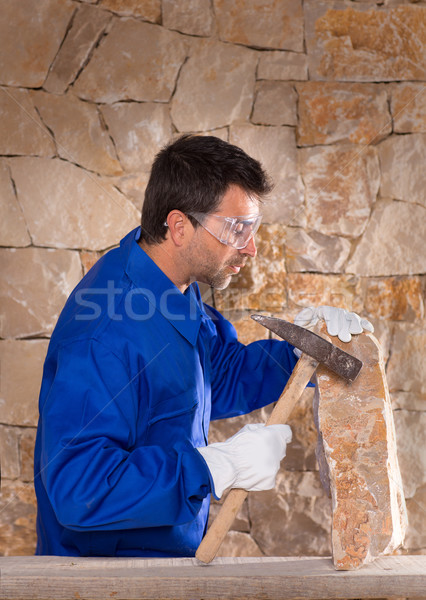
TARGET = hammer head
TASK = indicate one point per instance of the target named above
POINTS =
(340, 362)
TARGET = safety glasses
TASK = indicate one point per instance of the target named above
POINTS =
(232, 231)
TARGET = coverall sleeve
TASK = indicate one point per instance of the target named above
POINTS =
(96, 474)
(246, 377)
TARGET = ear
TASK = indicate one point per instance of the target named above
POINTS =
(179, 227)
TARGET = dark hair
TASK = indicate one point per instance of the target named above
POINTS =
(192, 174)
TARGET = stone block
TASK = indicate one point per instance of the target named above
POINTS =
(31, 34)
(394, 298)
(261, 283)
(410, 428)
(88, 259)
(139, 131)
(145, 69)
(26, 448)
(13, 229)
(79, 209)
(22, 366)
(35, 285)
(415, 539)
(133, 186)
(238, 543)
(9, 451)
(409, 401)
(393, 243)
(261, 23)
(193, 17)
(311, 289)
(87, 26)
(293, 519)
(241, 522)
(300, 455)
(18, 509)
(275, 148)
(357, 432)
(149, 10)
(275, 104)
(314, 251)
(341, 184)
(287, 66)
(408, 108)
(80, 134)
(215, 87)
(23, 132)
(343, 42)
(406, 367)
(403, 173)
(336, 112)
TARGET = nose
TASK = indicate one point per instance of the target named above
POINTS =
(250, 249)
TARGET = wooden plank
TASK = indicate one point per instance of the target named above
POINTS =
(62, 578)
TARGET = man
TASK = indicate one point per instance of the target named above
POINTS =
(138, 366)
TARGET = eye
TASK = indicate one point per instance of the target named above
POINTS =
(239, 228)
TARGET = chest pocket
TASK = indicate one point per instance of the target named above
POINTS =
(174, 419)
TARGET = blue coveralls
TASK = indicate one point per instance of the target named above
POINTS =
(134, 373)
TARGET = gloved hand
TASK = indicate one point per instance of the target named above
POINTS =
(250, 459)
(339, 321)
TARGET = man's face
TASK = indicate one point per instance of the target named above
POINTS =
(214, 262)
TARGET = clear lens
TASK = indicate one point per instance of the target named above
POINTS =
(232, 231)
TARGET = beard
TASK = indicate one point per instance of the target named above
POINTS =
(219, 276)
(208, 267)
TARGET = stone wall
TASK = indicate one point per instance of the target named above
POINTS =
(330, 96)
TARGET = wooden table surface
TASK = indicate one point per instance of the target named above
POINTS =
(63, 578)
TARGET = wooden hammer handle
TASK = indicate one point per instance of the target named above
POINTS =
(302, 373)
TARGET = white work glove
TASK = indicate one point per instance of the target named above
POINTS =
(339, 321)
(250, 459)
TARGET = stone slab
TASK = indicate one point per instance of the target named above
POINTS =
(9, 451)
(341, 185)
(275, 104)
(23, 132)
(34, 286)
(215, 86)
(357, 432)
(394, 298)
(410, 428)
(408, 101)
(402, 166)
(194, 17)
(293, 517)
(87, 26)
(261, 23)
(67, 207)
(312, 289)
(335, 112)
(145, 69)
(343, 42)
(18, 508)
(315, 252)
(13, 229)
(80, 134)
(150, 10)
(139, 131)
(393, 242)
(275, 148)
(406, 367)
(278, 65)
(31, 34)
(22, 366)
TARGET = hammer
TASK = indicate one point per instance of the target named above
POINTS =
(315, 350)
